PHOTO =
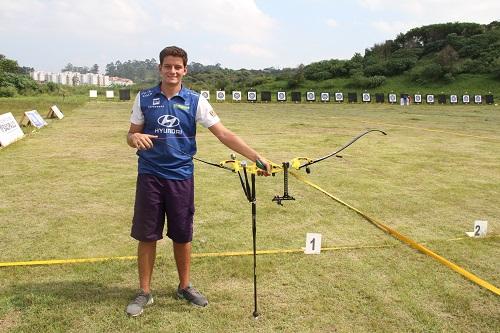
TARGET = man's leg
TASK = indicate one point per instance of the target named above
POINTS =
(146, 254)
(182, 255)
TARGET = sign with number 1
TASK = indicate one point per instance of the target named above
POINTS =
(313, 243)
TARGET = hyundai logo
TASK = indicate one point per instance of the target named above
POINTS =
(168, 121)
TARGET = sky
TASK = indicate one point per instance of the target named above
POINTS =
(252, 34)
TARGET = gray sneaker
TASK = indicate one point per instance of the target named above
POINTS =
(192, 295)
(136, 307)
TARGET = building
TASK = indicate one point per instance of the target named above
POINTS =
(76, 79)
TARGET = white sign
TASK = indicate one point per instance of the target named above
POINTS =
(418, 98)
(237, 96)
(54, 112)
(480, 229)
(478, 99)
(93, 93)
(251, 96)
(206, 94)
(110, 94)
(339, 97)
(281, 96)
(311, 96)
(453, 99)
(220, 95)
(313, 243)
(9, 129)
(325, 97)
(430, 99)
(465, 99)
(366, 97)
(34, 119)
(392, 98)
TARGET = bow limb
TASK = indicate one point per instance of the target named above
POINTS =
(310, 162)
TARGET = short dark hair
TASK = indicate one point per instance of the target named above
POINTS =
(174, 51)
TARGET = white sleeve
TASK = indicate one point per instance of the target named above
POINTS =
(205, 114)
(137, 117)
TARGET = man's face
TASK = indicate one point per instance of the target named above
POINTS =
(172, 70)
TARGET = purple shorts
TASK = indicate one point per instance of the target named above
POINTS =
(156, 198)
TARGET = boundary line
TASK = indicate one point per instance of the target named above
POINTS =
(406, 239)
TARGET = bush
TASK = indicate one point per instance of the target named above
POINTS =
(8, 91)
(430, 72)
(496, 69)
(359, 81)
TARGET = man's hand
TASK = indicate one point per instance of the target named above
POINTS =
(142, 141)
(264, 167)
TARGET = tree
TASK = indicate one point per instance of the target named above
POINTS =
(68, 68)
(95, 69)
(297, 78)
(496, 69)
(447, 58)
(8, 65)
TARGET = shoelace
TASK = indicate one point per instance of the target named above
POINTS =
(192, 291)
(141, 299)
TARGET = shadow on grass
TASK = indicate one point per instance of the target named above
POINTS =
(77, 305)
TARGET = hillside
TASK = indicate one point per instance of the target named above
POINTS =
(449, 57)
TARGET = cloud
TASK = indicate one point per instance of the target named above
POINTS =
(392, 28)
(228, 18)
(438, 11)
(332, 23)
(90, 18)
(250, 50)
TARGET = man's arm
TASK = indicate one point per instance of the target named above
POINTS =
(234, 142)
(137, 139)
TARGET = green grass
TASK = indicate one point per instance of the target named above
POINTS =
(41, 103)
(68, 191)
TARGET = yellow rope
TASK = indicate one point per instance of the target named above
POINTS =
(194, 255)
(406, 240)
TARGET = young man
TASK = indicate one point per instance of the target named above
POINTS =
(163, 130)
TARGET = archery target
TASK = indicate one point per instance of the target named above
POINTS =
(392, 98)
(311, 96)
(417, 98)
(325, 97)
(124, 94)
(281, 96)
(352, 97)
(205, 93)
(466, 99)
(296, 96)
(221, 95)
(442, 99)
(339, 97)
(489, 99)
(430, 99)
(237, 96)
(453, 99)
(251, 96)
(366, 97)
(265, 96)
(379, 97)
(478, 99)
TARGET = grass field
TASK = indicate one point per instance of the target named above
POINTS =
(68, 190)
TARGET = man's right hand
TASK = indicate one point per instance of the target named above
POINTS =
(142, 141)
